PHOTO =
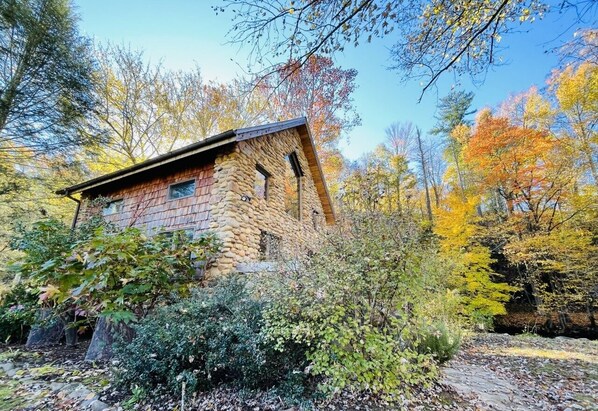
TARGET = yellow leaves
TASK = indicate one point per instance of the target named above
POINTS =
(461, 133)
(560, 250)
(454, 223)
(48, 293)
(525, 15)
(471, 274)
(577, 89)
(537, 111)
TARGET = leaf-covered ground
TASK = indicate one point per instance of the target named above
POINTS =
(527, 372)
(492, 372)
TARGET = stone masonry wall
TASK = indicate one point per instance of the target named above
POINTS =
(238, 223)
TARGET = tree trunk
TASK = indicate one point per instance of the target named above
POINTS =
(46, 331)
(70, 331)
(104, 336)
(422, 159)
(591, 317)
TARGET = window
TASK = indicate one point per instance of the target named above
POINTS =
(315, 217)
(261, 182)
(292, 186)
(113, 207)
(180, 190)
(186, 232)
(270, 246)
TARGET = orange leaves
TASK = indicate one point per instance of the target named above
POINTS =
(511, 158)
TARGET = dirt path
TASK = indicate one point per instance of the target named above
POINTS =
(526, 373)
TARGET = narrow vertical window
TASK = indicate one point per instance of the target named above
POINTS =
(315, 218)
(262, 178)
(292, 186)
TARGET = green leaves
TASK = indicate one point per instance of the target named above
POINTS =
(121, 275)
(126, 274)
(358, 304)
(214, 337)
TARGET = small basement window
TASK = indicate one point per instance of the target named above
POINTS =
(262, 180)
(113, 207)
(270, 246)
(292, 186)
(181, 190)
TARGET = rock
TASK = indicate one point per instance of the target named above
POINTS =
(80, 393)
(100, 348)
(7, 366)
(47, 330)
(98, 405)
(68, 388)
(56, 386)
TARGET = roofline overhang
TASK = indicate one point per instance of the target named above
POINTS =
(187, 151)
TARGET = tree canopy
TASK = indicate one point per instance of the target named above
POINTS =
(45, 79)
(431, 37)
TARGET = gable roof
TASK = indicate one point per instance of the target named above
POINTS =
(219, 140)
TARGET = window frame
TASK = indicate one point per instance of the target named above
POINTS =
(169, 190)
(270, 246)
(107, 206)
(267, 175)
(169, 233)
(293, 160)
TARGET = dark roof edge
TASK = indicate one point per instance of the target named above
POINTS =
(195, 148)
(326, 193)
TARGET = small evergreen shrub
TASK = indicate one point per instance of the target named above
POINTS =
(211, 338)
(440, 341)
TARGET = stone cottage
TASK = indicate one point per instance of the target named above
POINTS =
(260, 189)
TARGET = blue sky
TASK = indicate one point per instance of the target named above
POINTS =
(185, 33)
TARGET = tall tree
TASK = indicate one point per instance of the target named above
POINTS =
(45, 79)
(422, 160)
(576, 91)
(131, 106)
(453, 110)
(320, 91)
(531, 170)
(399, 142)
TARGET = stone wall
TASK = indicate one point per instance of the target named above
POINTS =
(239, 223)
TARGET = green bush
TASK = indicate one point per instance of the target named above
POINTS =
(440, 341)
(96, 268)
(17, 313)
(357, 303)
(212, 338)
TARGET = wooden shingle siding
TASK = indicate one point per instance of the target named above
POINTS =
(146, 203)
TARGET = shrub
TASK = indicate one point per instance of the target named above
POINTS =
(211, 338)
(17, 313)
(123, 274)
(357, 304)
(440, 341)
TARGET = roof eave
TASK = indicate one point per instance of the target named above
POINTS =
(188, 151)
(316, 171)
